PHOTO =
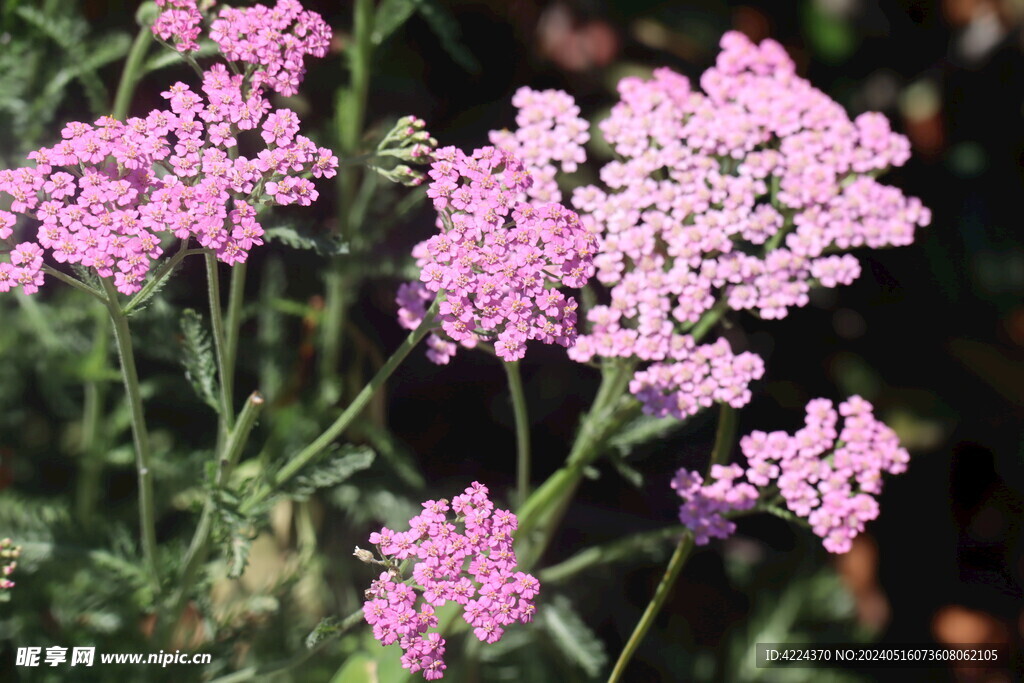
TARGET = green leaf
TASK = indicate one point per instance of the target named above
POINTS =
(198, 359)
(327, 628)
(649, 546)
(335, 469)
(323, 245)
(239, 544)
(643, 430)
(444, 26)
(626, 471)
(169, 58)
(391, 14)
(577, 642)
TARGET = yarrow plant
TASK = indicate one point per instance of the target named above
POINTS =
(740, 197)
(498, 260)
(731, 199)
(475, 568)
(110, 194)
(827, 475)
(271, 43)
(9, 554)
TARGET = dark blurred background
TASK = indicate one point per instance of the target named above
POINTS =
(932, 334)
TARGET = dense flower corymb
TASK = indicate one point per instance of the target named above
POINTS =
(734, 198)
(271, 41)
(498, 259)
(475, 568)
(826, 474)
(108, 195)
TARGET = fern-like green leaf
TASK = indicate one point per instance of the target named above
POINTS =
(335, 469)
(577, 641)
(198, 359)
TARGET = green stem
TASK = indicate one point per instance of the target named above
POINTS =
(675, 565)
(350, 119)
(199, 547)
(130, 75)
(88, 488)
(725, 437)
(354, 409)
(76, 283)
(264, 672)
(140, 436)
(233, 322)
(540, 515)
(709, 319)
(220, 348)
(522, 420)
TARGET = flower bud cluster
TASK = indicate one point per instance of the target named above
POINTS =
(9, 554)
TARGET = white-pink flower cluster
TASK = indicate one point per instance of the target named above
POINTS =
(740, 194)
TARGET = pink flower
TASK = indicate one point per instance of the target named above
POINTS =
(474, 567)
(829, 476)
(102, 197)
(498, 255)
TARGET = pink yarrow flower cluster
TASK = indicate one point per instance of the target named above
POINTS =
(739, 194)
(550, 137)
(498, 260)
(825, 474)
(706, 507)
(695, 378)
(110, 193)
(272, 41)
(475, 568)
(179, 23)
(9, 554)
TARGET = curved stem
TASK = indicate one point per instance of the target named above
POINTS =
(130, 375)
(130, 75)
(354, 409)
(675, 565)
(522, 420)
(725, 436)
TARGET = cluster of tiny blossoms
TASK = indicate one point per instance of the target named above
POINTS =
(475, 568)
(271, 41)
(697, 377)
(550, 136)
(705, 507)
(829, 476)
(498, 259)
(740, 194)
(9, 554)
(108, 194)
